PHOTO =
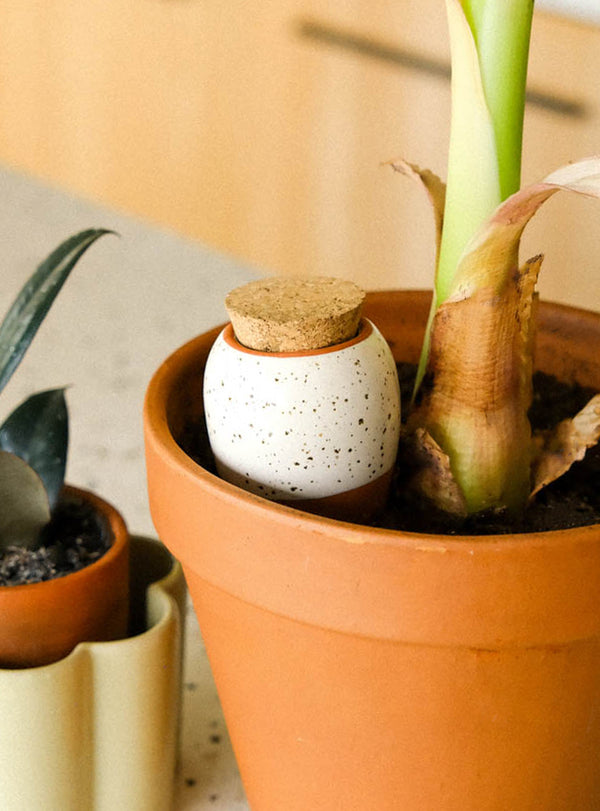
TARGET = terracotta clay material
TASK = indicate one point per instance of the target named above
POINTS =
(41, 623)
(372, 670)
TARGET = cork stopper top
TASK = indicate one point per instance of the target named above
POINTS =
(293, 314)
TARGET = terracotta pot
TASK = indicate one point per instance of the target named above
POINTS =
(42, 622)
(377, 670)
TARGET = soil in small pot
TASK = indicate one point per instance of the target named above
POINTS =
(572, 501)
(75, 538)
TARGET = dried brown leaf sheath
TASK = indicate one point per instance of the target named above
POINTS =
(480, 362)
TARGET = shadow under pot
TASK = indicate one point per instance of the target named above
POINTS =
(314, 429)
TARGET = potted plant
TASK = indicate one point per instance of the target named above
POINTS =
(45, 532)
(378, 668)
(85, 610)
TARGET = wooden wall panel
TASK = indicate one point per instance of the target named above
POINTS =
(259, 128)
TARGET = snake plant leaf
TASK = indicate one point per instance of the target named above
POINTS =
(37, 431)
(25, 507)
(35, 299)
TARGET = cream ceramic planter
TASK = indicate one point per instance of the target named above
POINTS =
(305, 427)
(97, 730)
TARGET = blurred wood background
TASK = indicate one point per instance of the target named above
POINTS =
(260, 128)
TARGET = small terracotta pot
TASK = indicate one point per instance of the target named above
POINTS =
(377, 670)
(41, 623)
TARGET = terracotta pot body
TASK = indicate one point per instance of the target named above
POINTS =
(42, 622)
(374, 670)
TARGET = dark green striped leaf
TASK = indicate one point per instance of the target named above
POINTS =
(35, 299)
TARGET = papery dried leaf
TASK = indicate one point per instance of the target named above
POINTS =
(527, 320)
(433, 185)
(491, 255)
(567, 444)
(582, 177)
(480, 352)
(433, 477)
(436, 191)
(477, 408)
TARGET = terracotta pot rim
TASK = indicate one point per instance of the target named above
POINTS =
(165, 603)
(160, 435)
(525, 590)
(116, 526)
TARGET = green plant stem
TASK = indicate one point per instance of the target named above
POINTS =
(490, 48)
(502, 32)
(488, 102)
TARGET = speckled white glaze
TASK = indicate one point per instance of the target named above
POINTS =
(303, 425)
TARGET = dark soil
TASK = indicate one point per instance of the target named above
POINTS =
(572, 501)
(75, 537)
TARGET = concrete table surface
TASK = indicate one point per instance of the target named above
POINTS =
(131, 301)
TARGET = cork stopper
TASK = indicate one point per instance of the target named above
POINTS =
(295, 315)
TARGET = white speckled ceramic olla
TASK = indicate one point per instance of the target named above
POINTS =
(306, 427)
